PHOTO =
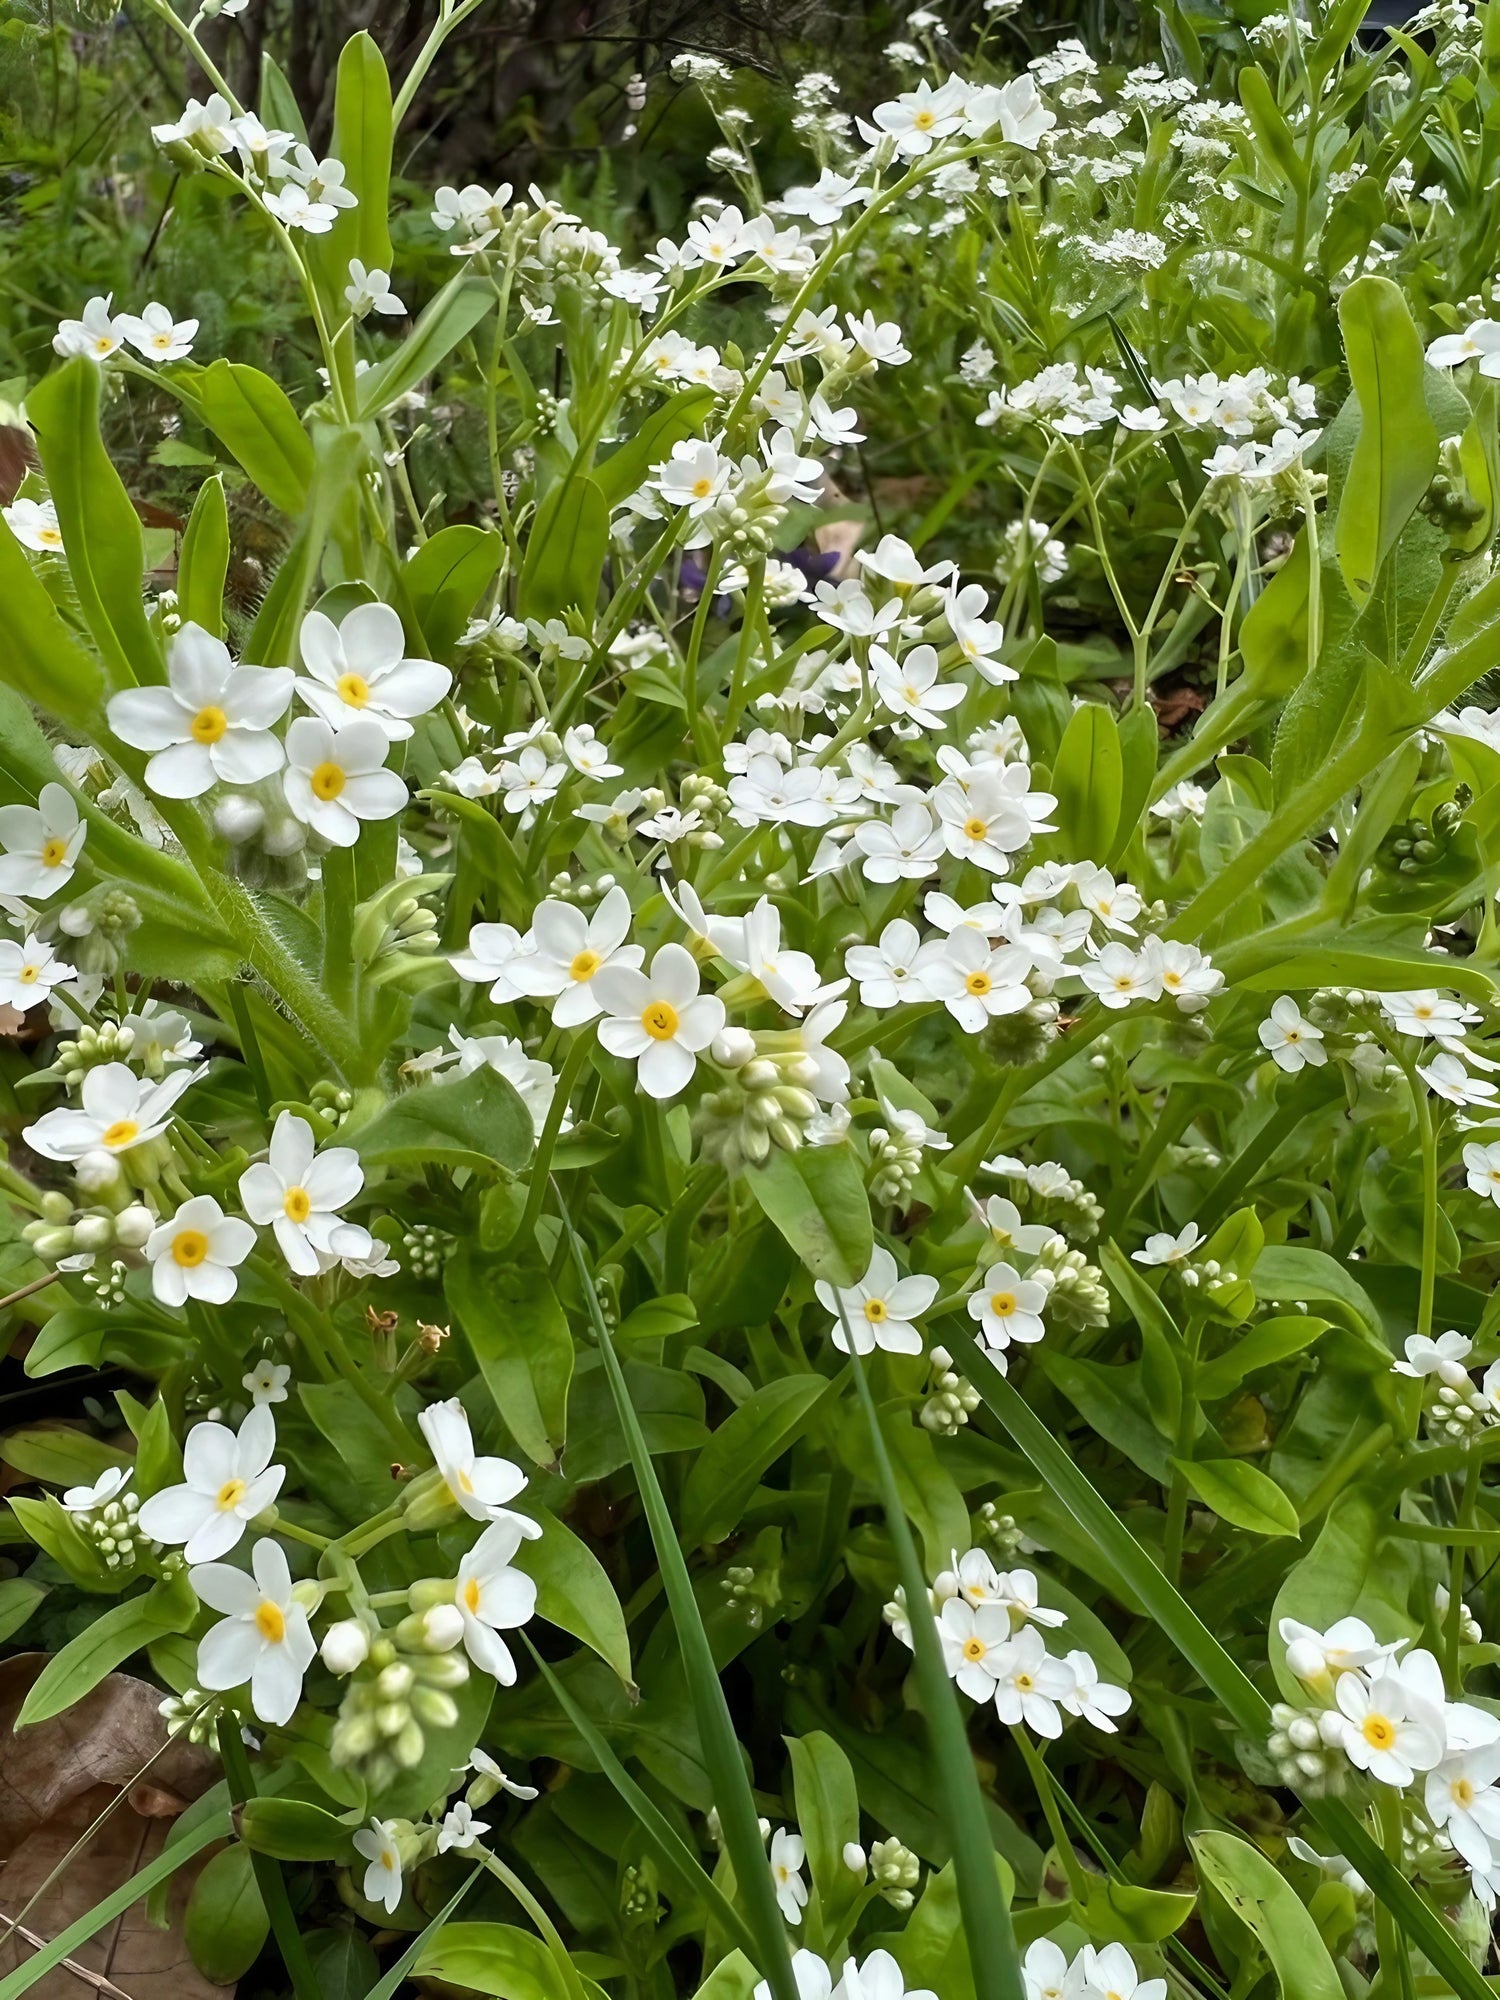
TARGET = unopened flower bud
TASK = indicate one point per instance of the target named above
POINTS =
(345, 1646)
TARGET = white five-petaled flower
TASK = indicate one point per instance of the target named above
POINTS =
(1110, 1973)
(108, 1486)
(1008, 1232)
(1446, 1077)
(211, 724)
(263, 1636)
(1289, 1039)
(460, 1829)
(41, 842)
(974, 1636)
(335, 778)
(1091, 1699)
(267, 1380)
(370, 291)
(910, 686)
(157, 335)
(492, 959)
(299, 1192)
(1030, 1683)
(976, 982)
(658, 1019)
(1165, 1248)
(1048, 1974)
(360, 667)
(1462, 1798)
(494, 1597)
(693, 477)
(1119, 975)
(480, 1486)
(228, 1479)
(787, 1856)
(569, 950)
(1482, 1167)
(1446, 1357)
(97, 334)
(29, 969)
(1387, 1729)
(1008, 1307)
(382, 1883)
(193, 1256)
(34, 524)
(879, 1310)
(118, 1110)
(1347, 1645)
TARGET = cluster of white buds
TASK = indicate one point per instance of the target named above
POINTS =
(1454, 1414)
(1051, 1182)
(165, 609)
(952, 1400)
(110, 1042)
(895, 1162)
(1076, 1292)
(332, 1101)
(895, 1871)
(108, 1285)
(1304, 1761)
(401, 1688)
(192, 1714)
(738, 1586)
(113, 1531)
(424, 1248)
(1470, 1632)
(1001, 1529)
(582, 889)
(58, 1232)
(766, 1100)
(98, 930)
(705, 797)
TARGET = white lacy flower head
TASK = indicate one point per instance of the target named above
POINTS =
(211, 724)
(360, 667)
(879, 1310)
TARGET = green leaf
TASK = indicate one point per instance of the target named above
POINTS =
(19, 1597)
(575, 1594)
(519, 1335)
(445, 579)
(42, 660)
(827, 1810)
(1239, 1494)
(565, 550)
(225, 1924)
(1396, 452)
(474, 1121)
(293, 1830)
(1088, 779)
(1124, 1913)
(1140, 744)
(112, 1637)
(363, 132)
(338, 453)
(1261, 1897)
(730, 1466)
(619, 475)
(61, 1456)
(1268, 122)
(497, 1959)
(395, 1975)
(1274, 642)
(817, 1200)
(203, 562)
(343, 1964)
(450, 318)
(1269, 1341)
(100, 529)
(279, 110)
(253, 417)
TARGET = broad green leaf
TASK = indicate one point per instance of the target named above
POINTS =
(42, 660)
(1269, 1341)
(293, 1830)
(1274, 642)
(451, 317)
(1113, 1402)
(204, 560)
(565, 550)
(1396, 452)
(61, 1456)
(1088, 779)
(19, 1597)
(225, 1924)
(1297, 1271)
(100, 529)
(279, 110)
(1262, 1898)
(356, 1434)
(343, 1963)
(817, 1200)
(618, 476)
(497, 1959)
(519, 1335)
(72, 1338)
(1240, 1495)
(1139, 754)
(932, 1949)
(338, 454)
(48, 1523)
(475, 1121)
(253, 417)
(1268, 122)
(1124, 1913)
(362, 139)
(392, 1979)
(445, 579)
(574, 1593)
(827, 1810)
(730, 1466)
(112, 1637)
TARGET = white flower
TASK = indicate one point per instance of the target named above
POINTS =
(335, 778)
(530, 780)
(659, 1020)
(1346, 1645)
(1290, 1039)
(718, 239)
(34, 525)
(1119, 975)
(382, 1883)
(29, 971)
(693, 477)
(810, 1975)
(263, 1638)
(787, 1856)
(587, 754)
(160, 1036)
(976, 982)
(899, 563)
(210, 724)
(483, 1763)
(1461, 1798)
(266, 1381)
(905, 847)
(1090, 1698)
(493, 1597)
(879, 339)
(1048, 1974)
(294, 208)
(480, 1486)
(890, 973)
(910, 687)
(1111, 1974)
(111, 1482)
(370, 291)
(1029, 1683)
(1115, 904)
(459, 1829)
(1479, 341)
(825, 201)
(1008, 1232)
(977, 636)
(228, 1479)
(1165, 1248)
(1008, 1307)
(1387, 1730)
(879, 1309)
(359, 667)
(119, 1110)
(974, 1636)
(210, 128)
(1426, 1013)
(988, 819)
(1016, 107)
(1482, 1166)
(880, 1977)
(97, 334)
(492, 958)
(157, 335)
(919, 118)
(1444, 1357)
(1183, 973)
(194, 1256)
(1446, 1076)
(300, 1196)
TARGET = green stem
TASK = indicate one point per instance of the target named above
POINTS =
(268, 1876)
(1187, 1431)
(1041, 1780)
(541, 1170)
(561, 1958)
(1457, 1565)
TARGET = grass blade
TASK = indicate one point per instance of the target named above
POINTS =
(115, 1905)
(268, 1876)
(986, 1921)
(385, 1986)
(1221, 1674)
(721, 1749)
(654, 1824)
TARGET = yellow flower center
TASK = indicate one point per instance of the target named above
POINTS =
(585, 965)
(327, 781)
(229, 1495)
(270, 1621)
(1171, 980)
(50, 538)
(121, 1133)
(297, 1204)
(29, 975)
(471, 1594)
(1002, 1304)
(1293, 1035)
(465, 1482)
(974, 1649)
(975, 828)
(103, 344)
(354, 689)
(1461, 1791)
(876, 1310)
(209, 724)
(924, 121)
(1123, 982)
(54, 852)
(189, 1248)
(659, 1019)
(978, 983)
(388, 1859)
(702, 488)
(1024, 1683)
(161, 342)
(1378, 1731)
